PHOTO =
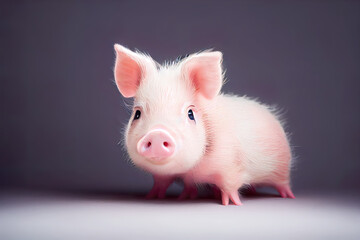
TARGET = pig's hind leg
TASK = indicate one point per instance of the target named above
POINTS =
(161, 184)
(280, 180)
(283, 189)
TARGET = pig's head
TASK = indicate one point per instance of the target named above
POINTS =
(167, 133)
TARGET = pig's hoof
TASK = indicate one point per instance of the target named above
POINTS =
(234, 196)
(189, 192)
(285, 191)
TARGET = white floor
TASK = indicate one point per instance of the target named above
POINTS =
(45, 216)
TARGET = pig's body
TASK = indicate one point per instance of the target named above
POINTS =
(183, 127)
(250, 147)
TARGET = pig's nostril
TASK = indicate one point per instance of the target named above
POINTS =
(148, 144)
(166, 144)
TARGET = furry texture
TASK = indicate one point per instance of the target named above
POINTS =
(234, 141)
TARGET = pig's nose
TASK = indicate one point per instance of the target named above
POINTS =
(156, 144)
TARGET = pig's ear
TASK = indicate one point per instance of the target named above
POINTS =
(205, 71)
(130, 68)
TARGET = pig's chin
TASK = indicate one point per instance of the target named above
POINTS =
(158, 160)
(163, 166)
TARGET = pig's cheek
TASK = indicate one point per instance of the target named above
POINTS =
(134, 127)
(180, 121)
(179, 146)
(132, 151)
(198, 116)
(132, 138)
(129, 143)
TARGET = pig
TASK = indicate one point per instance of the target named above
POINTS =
(183, 127)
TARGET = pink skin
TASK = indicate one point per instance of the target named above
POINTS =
(233, 195)
(157, 144)
(225, 197)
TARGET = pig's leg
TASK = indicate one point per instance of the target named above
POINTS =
(284, 190)
(229, 185)
(230, 195)
(190, 191)
(161, 184)
(229, 191)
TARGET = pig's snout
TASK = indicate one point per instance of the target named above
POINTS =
(157, 144)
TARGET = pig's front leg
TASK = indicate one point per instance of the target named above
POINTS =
(190, 191)
(161, 184)
(230, 195)
(229, 191)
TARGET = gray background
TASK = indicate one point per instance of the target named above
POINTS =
(61, 114)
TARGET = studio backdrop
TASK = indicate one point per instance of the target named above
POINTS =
(62, 116)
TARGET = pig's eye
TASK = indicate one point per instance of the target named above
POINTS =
(137, 114)
(191, 115)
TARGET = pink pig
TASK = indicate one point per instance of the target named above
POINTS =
(183, 127)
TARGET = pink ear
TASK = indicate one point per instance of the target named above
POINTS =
(127, 71)
(205, 72)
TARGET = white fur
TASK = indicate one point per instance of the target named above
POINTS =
(164, 102)
(235, 140)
